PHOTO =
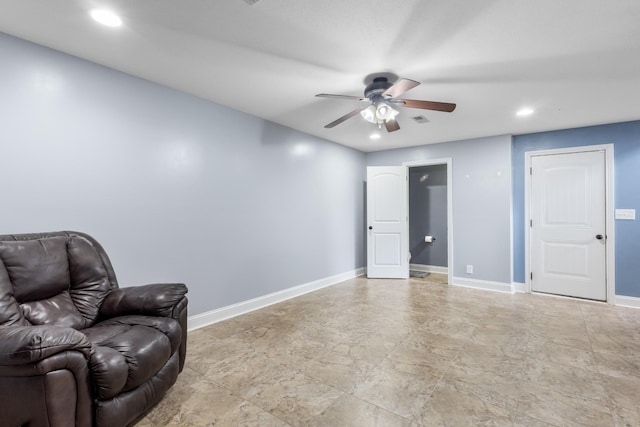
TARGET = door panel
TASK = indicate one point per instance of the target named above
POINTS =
(388, 232)
(389, 249)
(567, 213)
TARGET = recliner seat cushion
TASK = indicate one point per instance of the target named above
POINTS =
(129, 350)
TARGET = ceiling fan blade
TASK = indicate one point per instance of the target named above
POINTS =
(427, 105)
(345, 117)
(400, 87)
(392, 125)
(328, 95)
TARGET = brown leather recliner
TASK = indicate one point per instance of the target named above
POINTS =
(75, 349)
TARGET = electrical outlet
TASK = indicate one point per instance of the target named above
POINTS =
(469, 269)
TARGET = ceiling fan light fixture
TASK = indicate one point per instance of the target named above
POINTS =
(369, 114)
(385, 112)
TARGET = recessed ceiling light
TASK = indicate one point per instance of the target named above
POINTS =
(374, 136)
(106, 17)
(524, 112)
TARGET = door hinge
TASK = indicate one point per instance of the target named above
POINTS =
(530, 171)
(530, 223)
(531, 275)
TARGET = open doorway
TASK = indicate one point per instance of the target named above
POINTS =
(429, 220)
(388, 221)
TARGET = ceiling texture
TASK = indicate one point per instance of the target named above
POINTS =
(575, 62)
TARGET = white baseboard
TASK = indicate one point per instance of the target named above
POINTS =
(429, 268)
(518, 287)
(203, 319)
(483, 284)
(624, 301)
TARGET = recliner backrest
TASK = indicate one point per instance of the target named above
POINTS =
(57, 279)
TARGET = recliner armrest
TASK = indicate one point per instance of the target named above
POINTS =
(21, 345)
(157, 299)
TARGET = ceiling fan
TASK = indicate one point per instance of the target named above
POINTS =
(382, 96)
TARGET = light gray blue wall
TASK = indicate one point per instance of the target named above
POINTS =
(481, 201)
(176, 188)
(428, 214)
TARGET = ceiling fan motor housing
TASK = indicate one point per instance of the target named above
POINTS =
(374, 90)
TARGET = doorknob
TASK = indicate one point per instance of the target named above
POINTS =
(370, 227)
(599, 236)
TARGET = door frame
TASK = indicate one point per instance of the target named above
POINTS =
(432, 162)
(610, 252)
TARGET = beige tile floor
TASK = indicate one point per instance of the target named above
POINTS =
(412, 353)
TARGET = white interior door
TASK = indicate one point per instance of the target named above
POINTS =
(387, 222)
(568, 219)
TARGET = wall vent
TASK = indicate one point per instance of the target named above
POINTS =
(251, 2)
(420, 119)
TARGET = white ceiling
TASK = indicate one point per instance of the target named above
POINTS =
(576, 62)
